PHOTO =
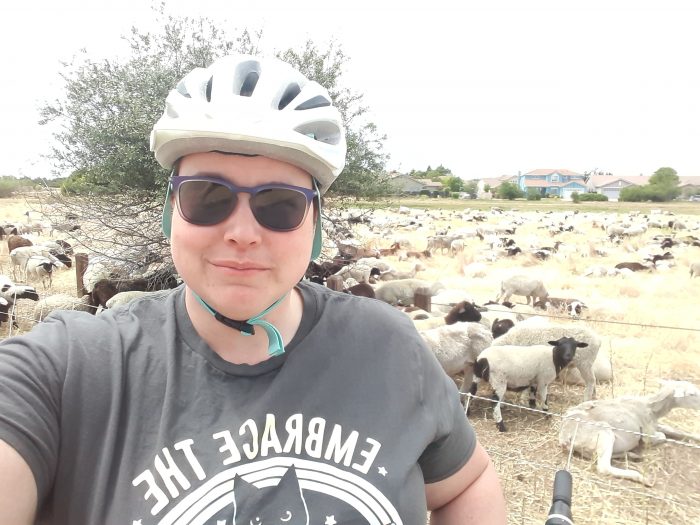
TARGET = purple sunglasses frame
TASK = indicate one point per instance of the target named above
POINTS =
(177, 180)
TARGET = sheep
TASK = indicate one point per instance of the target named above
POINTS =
(602, 369)
(510, 367)
(40, 267)
(573, 307)
(360, 272)
(463, 311)
(524, 334)
(501, 326)
(633, 266)
(123, 298)
(361, 290)
(403, 291)
(695, 269)
(15, 241)
(62, 301)
(393, 275)
(10, 293)
(608, 428)
(531, 288)
(456, 246)
(457, 346)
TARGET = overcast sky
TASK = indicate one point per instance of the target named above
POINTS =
(484, 88)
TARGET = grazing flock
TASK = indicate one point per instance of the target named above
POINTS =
(477, 285)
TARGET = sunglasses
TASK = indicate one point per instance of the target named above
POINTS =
(206, 201)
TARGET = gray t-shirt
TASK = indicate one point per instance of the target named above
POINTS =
(128, 417)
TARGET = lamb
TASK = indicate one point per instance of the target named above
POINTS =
(573, 307)
(360, 272)
(529, 287)
(457, 346)
(518, 367)
(523, 334)
(608, 428)
(403, 291)
(40, 267)
(695, 269)
(501, 326)
(62, 301)
(463, 311)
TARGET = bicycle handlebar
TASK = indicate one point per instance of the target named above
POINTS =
(560, 511)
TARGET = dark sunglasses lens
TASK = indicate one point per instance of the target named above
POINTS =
(204, 202)
(279, 209)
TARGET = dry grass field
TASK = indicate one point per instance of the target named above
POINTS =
(650, 324)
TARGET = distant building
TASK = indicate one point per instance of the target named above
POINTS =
(689, 186)
(610, 185)
(404, 184)
(553, 182)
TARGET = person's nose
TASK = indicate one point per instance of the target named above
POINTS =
(242, 228)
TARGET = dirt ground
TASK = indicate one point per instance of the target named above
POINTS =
(650, 324)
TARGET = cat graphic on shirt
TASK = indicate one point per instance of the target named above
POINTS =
(282, 504)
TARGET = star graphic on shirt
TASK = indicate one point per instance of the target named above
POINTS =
(330, 520)
(382, 471)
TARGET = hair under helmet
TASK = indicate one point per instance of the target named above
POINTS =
(253, 106)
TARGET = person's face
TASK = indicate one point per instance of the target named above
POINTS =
(238, 266)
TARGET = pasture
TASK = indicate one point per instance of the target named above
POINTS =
(649, 322)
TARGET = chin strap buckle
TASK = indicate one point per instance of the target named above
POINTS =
(243, 326)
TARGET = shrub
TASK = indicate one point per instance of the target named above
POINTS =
(533, 194)
(8, 187)
(576, 197)
(592, 197)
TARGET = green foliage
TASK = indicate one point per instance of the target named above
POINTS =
(533, 194)
(471, 187)
(487, 187)
(8, 186)
(592, 197)
(454, 184)
(510, 191)
(109, 106)
(435, 175)
(662, 187)
(576, 197)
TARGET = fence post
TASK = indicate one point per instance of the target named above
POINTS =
(422, 298)
(335, 282)
(81, 261)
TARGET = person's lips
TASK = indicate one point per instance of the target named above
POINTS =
(239, 266)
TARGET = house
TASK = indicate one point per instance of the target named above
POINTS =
(553, 182)
(492, 184)
(610, 185)
(404, 184)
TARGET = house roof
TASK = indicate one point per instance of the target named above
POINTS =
(429, 183)
(546, 171)
(495, 181)
(689, 181)
(598, 181)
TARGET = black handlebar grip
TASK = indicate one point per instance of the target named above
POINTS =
(560, 511)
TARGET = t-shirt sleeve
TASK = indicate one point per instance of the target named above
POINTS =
(454, 440)
(32, 371)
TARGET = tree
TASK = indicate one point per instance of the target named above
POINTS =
(454, 184)
(472, 188)
(510, 191)
(662, 187)
(110, 105)
(664, 177)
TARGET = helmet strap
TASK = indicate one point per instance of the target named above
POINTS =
(275, 345)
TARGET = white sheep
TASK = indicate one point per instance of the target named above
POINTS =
(124, 297)
(61, 301)
(40, 268)
(394, 275)
(462, 312)
(695, 270)
(525, 334)
(509, 367)
(457, 346)
(403, 291)
(533, 289)
(607, 428)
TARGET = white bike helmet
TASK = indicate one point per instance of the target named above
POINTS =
(255, 106)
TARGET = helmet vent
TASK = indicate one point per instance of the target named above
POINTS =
(289, 94)
(208, 92)
(182, 89)
(316, 102)
(248, 86)
(321, 131)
